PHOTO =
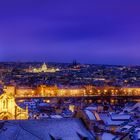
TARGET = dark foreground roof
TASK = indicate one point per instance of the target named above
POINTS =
(52, 129)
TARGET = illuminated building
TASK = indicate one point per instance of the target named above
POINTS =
(71, 108)
(9, 110)
(44, 68)
(44, 90)
(131, 91)
(71, 91)
(25, 91)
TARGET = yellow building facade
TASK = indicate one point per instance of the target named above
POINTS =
(54, 91)
(9, 110)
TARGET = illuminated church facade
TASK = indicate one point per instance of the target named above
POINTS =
(9, 110)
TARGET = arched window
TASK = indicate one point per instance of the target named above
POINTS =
(5, 104)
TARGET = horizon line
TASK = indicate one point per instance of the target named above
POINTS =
(31, 61)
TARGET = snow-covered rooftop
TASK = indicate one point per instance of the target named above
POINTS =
(120, 116)
(108, 121)
(66, 129)
(90, 115)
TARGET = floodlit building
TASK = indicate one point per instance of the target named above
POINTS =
(25, 91)
(44, 68)
(9, 110)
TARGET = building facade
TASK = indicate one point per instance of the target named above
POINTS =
(9, 110)
(44, 68)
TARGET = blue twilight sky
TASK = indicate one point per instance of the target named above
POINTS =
(90, 31)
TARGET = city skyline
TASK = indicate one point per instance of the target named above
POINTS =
(99, 32)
